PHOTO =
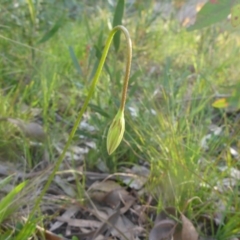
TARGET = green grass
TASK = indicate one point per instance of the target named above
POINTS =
(174, 80)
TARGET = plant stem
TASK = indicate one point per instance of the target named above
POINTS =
(84, 107)
(128, 66)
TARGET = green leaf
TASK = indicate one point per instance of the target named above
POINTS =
(117, 20)
(74, 60)
(99, 110)
(235, 15)
(8, 234)
(31, 10)
(99, 55)
(8, 204)
(211, 13)
(5, 181)
(28, 229)
(51, 32)
(220, 103)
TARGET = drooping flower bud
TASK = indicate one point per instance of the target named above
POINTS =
(115, 132)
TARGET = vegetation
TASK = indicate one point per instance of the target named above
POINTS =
(190, 150)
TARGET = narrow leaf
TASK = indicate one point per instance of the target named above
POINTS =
(7, 204)
(117, 20)
(211, 13)
(99, 55)
(5, 181)
(51, 32)
(28, 229)
(74, 60)
(31, 10)
(99, 110)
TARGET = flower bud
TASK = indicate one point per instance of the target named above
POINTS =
(115, 132)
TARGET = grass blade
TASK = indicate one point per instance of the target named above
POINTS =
(31, 10)
(74, 60)
(51, 32)
(117, 20)
(6, 206)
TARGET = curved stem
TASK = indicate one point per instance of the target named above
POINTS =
(128, 66)
(84, 107)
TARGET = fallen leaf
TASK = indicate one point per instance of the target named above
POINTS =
(98, 190)
(123, 227)
(67, 214)
(165, 225)
(166, 214)
(163, 230)
(108, 224)
(104, 186)
(67, 188)
(115, 197)
(136, 177)
(34, 112)
(188, 230)
(32, 130)
(81, 223)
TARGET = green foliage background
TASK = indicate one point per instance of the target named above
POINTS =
(49, 54)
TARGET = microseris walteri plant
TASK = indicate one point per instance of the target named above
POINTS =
(116, 130)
